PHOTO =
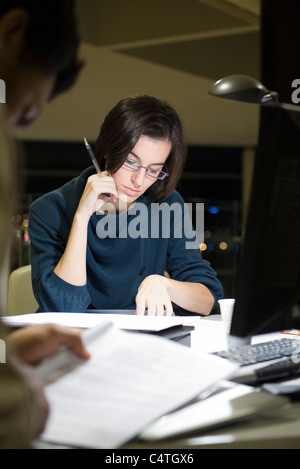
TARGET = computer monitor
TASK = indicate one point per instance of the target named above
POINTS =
(267, 290)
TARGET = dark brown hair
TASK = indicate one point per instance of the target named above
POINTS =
(130, 119)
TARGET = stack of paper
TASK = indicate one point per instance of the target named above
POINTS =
(87, 320)
(130, 380)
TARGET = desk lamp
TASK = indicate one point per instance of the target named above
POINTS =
(248, 90)
(245, 89)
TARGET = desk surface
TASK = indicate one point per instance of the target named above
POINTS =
(279, 428)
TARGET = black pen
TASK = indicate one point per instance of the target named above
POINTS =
(93, 158)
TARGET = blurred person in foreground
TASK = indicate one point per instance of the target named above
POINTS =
(38, 59)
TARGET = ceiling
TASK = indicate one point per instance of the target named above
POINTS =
(174, 49)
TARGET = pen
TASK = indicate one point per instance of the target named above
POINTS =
(90, 152)
(94, 161)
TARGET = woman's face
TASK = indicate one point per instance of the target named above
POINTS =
(148, 152)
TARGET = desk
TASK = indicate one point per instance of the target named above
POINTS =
(277, 429)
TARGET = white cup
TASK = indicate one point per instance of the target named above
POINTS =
(226, 308)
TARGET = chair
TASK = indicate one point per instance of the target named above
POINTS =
(21, 299)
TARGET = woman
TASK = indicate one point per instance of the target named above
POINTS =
(79, 262)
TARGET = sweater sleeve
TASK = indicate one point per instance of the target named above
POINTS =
(184, 260)
(49, 229)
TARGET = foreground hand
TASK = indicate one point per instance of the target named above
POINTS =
(153, 294)
(34, 343)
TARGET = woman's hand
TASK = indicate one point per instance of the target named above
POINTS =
(153, 294)
(95, 193)
(72, 265)
(157, 293)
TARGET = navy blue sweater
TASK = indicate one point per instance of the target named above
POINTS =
(122, 250)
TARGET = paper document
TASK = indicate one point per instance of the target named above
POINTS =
(87, 320)
(130, 380)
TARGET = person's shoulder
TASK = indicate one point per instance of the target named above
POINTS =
(65, 196)
(175, 197)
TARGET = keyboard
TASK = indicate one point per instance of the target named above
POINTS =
(263, 352)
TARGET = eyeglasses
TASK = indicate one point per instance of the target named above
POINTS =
(134, 165)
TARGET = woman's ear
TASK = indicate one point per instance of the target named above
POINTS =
(13, 27)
